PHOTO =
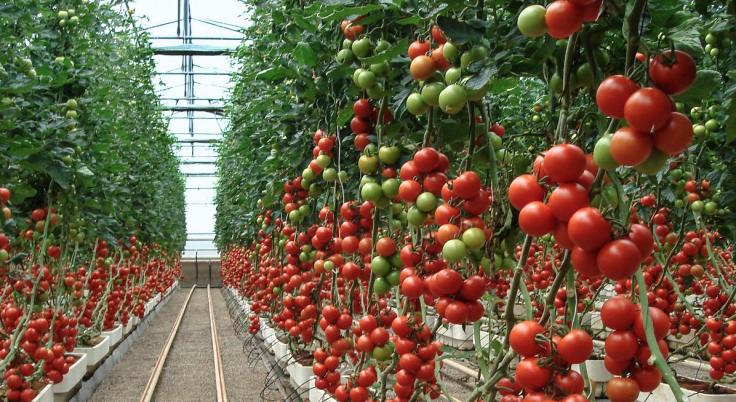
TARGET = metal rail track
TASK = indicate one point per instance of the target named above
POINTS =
(153, 380)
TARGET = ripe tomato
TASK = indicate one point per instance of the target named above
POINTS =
(522, 338)
(525, 189)
(676, 136)
(612, 94)
(564, 162)
(362, 108)
(642, 237)
(562, 19)
(630, 147)
(621, 345)
(561, 237)
(590, 11)
(438, 57)
(437, 35)
(409, 190)
(618, 259)
(566, 199)
(648, 109)
(570, 382)
(622, 390)
(618, 313)
(575, 347)
(673, 74)
(588, 229)
(530, 375)
(421, 68)
(447, 232)
(412, 287)
(647, 378)
(536, 219)
(385, 247)
(660, 323)
(418, 48)
(426, 159)
(456, 312)
(467, 185)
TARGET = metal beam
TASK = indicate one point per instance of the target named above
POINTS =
(198, 141)
(192, 73)
(218, 109)
(192, 50)
(198, 37)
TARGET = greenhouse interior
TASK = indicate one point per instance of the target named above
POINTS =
(367, 200)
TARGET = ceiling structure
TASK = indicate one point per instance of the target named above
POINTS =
(192, 40)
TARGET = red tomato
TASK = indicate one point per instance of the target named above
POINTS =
(648, 378)
(522, 338)
(530, 375)
(642, 237)
(590, 11)
(437, 35)
(536, 219)
(566, 199)
(561, 237)
(570, 382)
(525, 189)
(564, 163)
(621, 345)
(438, 57)
(676, 136)
(622, 390)
(588, 229)
(575, 347)
(418, 48)
(612, 94)
(648, 109)
(673, 74)
(618, 259)
(630, 147)
(618, 313)
(562, 19)
(660, 323)
(467, 185)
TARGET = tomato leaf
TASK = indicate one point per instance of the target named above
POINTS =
(480, 79)
(388, 54)
(459, 32)
(304, 54)
(706, 82)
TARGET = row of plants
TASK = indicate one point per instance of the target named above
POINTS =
(91, 194)
(539, 176)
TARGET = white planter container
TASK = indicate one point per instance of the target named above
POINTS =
(95, 353)
(45, 394)
(463, 336)
(673, 342)
(280, 351)
(268, 334)
(486, 338)
(115, 334)
(596, 371)
(663, 393)
(73, 377)
(299, 374)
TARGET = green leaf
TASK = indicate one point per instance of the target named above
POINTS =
(398, 49)
(274, 73)
(59, 174)
(22, 149)
(459, 32)
(706, 82)
(479, 80)
(20, 192)
(304, 54)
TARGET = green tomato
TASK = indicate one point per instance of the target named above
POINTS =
(367, 79)
(381, 286)
(371, 192)
(415, 105)
(602, 153)
(329, 265)
(454, 250)
(495, 140)
(362, 47)
(474, 238)
(584, 75)
(714, 52)
(380, 266)
(431, 93)
(452, 75)
(426, 202)
(63, 14)
(555, 83)
(367, 164)
(390, 188)
(415, 217)
(4, 255)
(347, 44)
(699, 130)
(380, 68)
(654, 163)
(314, 190)
(345, 57)
(450, 52)
(342, 175)
(356, 74)
(452, 99)
(389, 154)
(711, 125)
(393, 278)
(602, 57)
(308, 174)
(676, 174)
(71, 104)
(295, 216)
(711, 207)
(531, 21)
(711, 39)
(697, 207)
(277, 290)
(304, 210)
(323, 161)
(381, 353)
